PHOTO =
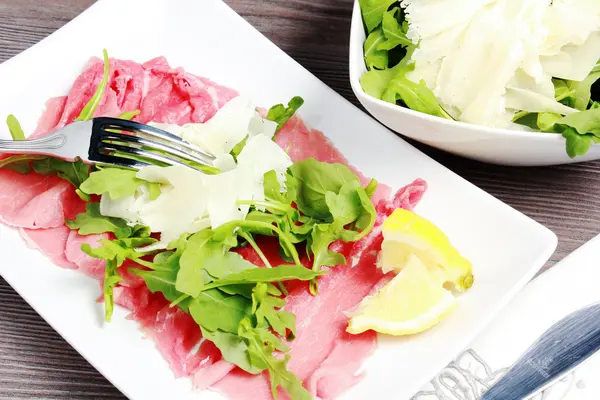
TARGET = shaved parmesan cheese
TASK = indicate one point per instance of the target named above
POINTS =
(487, 59)
(228, 127)
(191, 200)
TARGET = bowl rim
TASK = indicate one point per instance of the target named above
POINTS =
(355, 45)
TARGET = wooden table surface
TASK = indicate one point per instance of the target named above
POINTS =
(36, 363)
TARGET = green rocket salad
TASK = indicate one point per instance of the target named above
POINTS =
(407, 65)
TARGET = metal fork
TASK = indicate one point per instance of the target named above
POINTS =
(101, 141)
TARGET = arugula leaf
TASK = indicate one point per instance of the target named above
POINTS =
(88, 110)
(281, 114)
(371, 188)
(203, 260)
(583, 90)
(577, 144)
(394, 32)
(322, 237)
(261, 345)
(273, 189)
(315, 179)
(546, 122)
(267, 310)
(154, 189)
(237, 149)
(118, 183)
(129, 114)
(350, 206)
(373, 11)
(375, 82)
(93, 222)
(115, 252)
(233, 348)
(20, 163)
(163, 281)
(111, 279)
(213, 309)
(375, 58)
(275, 274)
(75, 172)
(14, 128)
(115, 256)
(416, 96)
(584, 121)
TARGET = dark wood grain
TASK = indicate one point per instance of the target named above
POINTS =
(35, 362)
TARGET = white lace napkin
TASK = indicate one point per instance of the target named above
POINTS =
(568, 286)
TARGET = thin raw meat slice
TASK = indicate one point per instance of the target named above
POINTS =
(208, 376)
(175, 333)
(331, 378)
(407, 197)
(90, 266)
(123, 93)
(50, 242)
(32, 201)
(50, 117)
(162, 102)
(178, 337)
(177, 97)
(205, 96)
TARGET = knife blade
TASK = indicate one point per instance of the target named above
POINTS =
(563, 347)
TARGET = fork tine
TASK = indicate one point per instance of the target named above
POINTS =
(104, 125)
(114, 160)
(135, 142)
(127, 150)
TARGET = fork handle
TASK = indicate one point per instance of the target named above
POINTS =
(43, 145)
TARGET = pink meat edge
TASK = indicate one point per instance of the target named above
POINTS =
(339, 372)
(35, 240)
(210, 375)
(50, 116)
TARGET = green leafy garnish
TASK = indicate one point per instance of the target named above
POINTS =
(577, 144)
(416, 96)
(281, 114)
(115, 252)
(373, 11)
(374, 56)
(582, 91)
(93, 222)
(129, 114)
(315, 180)
(116, 182)
(393, 31)
(275, 274)
(267, 309)
(14, 128)
(75, 172)
(261, 346)
(20, 163)
(88, 110)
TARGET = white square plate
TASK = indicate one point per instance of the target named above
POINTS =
(209, 39)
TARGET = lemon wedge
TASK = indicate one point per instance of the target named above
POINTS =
(407, 233)
(413, 301)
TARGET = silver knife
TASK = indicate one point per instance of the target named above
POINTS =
(563, 347)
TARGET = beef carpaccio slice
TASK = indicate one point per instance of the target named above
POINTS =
(323, 355)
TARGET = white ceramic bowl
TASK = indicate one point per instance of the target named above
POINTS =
(492, 145)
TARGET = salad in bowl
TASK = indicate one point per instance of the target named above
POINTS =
(507, 81)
